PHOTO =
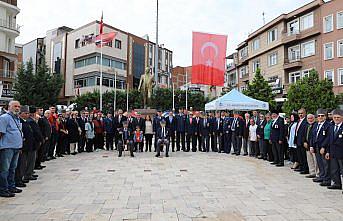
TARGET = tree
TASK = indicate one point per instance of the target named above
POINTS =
(310, 93)
(259, 89)
(39, 89)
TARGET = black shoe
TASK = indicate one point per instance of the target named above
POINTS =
(280, 165)
(334, 187)
(53, 157)
(119, 155)
(48, 159)
(304, 172)
(21, 185)
(317, 180)
(26, 181)
(157, 155)
(15, 190)
(32, 178)
(167, 155)
(273, 163)
(298, 170)
(325, 184)
(132, 155)
(7, 194)
(39, 168)
(311, 176)
(35, 175)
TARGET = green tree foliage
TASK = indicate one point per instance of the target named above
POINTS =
(310, 93)
(259, 89)
(39, 89)
(161, 99)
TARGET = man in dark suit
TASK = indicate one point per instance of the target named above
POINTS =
(276, 138)
(171, 124)
(335, 150)
(156, 125)
(45, 128)
(260, 136)
(218, 132)
(118, 124)
(227, 134)
(109, 131)
(212, 121)
(196, 141)
(180, 130)
(82, 122)
(205, 133)
(319, 144)
(125, 138)
(237, 127)
(189, 132)
(246, 133)
(300, 135)
(131, 121)
(163, 136)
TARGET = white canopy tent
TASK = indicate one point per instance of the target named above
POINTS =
(235, 100)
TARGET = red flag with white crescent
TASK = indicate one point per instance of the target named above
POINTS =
(208, 62)
(105, 38)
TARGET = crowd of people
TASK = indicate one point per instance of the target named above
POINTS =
(29, 136)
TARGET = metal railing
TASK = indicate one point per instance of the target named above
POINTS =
(7, 74)
(294, 56)
(293, 32)
(9, 25)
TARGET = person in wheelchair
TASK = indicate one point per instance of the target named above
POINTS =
(163, 136)
(125, 139)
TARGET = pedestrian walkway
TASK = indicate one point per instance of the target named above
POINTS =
(184, 187)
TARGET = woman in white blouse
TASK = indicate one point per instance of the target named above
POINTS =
(252, 138)
(290, 138)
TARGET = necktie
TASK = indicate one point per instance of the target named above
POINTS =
(318, 128)
(163, 132)
(336, 129)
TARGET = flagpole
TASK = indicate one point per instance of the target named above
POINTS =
(186, 89)
(100, 71)
(115, 91)
(127, 97)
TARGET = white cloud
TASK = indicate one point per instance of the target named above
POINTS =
(178, 18)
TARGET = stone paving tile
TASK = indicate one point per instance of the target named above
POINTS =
(184, 187)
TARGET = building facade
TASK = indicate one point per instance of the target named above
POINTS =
(34, 51)
(288, 47)
(9, 30)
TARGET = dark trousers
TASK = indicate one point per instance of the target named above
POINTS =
(160, 143)
(206, 143)
(196, 142)
(89, 145)
(227, 142)
(109, 141)
(236, 143)
(269, 150)
(213, 143)
(180, 139)
(121, 146)
(293, 154)
(138, 146)
(81, 143)
(260, 146)
(301, 154)
(19, 171)
(277, 152)
(217, 141)
(172, 139)
(99, 141)
(30, 164)
(52, 145)
(62, 145)
(40, 154)
(188, 141)
(245, 145)
(253, 148)
(324, 167)
(148, 142)
(336, 170)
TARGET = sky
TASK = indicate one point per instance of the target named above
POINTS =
(177, 19)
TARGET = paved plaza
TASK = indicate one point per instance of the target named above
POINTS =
(185, 187)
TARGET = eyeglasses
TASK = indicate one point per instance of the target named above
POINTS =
(321, 115)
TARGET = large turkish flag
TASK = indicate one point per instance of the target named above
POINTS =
(209, 52)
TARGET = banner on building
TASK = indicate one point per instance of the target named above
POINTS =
(208, 61)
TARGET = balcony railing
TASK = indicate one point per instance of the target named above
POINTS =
(9, 25)
(7, 74)
(293, 32)
(294, 56)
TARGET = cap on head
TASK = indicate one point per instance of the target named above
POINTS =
(25, 109)
(337, 112)
(321, 111)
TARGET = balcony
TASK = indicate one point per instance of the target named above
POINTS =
(296, 35)
(297, 63)
(12, 26)
(7, 74)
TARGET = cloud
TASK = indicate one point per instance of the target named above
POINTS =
(177, 18)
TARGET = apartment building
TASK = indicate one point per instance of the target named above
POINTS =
(288, 47)
(34, 51)
(332, 43)
(9, 30)
(231, 75)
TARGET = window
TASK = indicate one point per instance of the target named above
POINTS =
(308, 49)
(328, 51)
(329, 74)
(294, 77)
(340, 48)
(272, 35)
(77, 43)
(306, 73)
(117, 44)
(243, 88)
(293, 27)
(328, 23)
(79, 64)
(243, 53)
(340, 76)
(294, 53)
(255, 65)
(256, 44)
(272, 59)
(339, 20)
(90, 61)
(242, 72)
(306, 21)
